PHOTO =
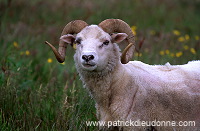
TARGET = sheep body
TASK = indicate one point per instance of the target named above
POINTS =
(166, 93)
(139, 91)
(136, 91)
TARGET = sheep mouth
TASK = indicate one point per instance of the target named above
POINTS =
(89, 64)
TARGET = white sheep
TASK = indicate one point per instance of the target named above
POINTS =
(132, 90)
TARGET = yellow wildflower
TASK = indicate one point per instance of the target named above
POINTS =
(186, 47)
(138, 54)
(15, 44)
(133, 28)
(192, 50)
(63, 63)
(196, 37)
(181, 39)
(187, 37)
(74, 46)
(162, 52)
(167, 52)
(49, 60)
(178, 54)
(134, 32)
(152, 32)
(27, 52)
(176, 32)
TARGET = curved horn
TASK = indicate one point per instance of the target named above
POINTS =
(72, 27)
(117, 25)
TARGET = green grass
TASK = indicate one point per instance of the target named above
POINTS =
(37, 95)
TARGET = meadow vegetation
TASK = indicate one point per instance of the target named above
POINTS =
(38, 93)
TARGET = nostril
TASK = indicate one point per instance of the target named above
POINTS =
(84, 57)
(90, 57)
(87, 57)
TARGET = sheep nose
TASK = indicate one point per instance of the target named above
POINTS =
(87, 57)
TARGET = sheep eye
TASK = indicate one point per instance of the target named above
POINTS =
(106, 42)
(78, 41)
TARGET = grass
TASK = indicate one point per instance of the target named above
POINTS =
(38, 93)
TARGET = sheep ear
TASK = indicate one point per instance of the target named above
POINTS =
(68, 38)
(119, 37)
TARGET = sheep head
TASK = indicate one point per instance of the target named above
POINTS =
(95, 42)
(73, 27)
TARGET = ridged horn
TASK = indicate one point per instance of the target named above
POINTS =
(117, 25)
(72, 27)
